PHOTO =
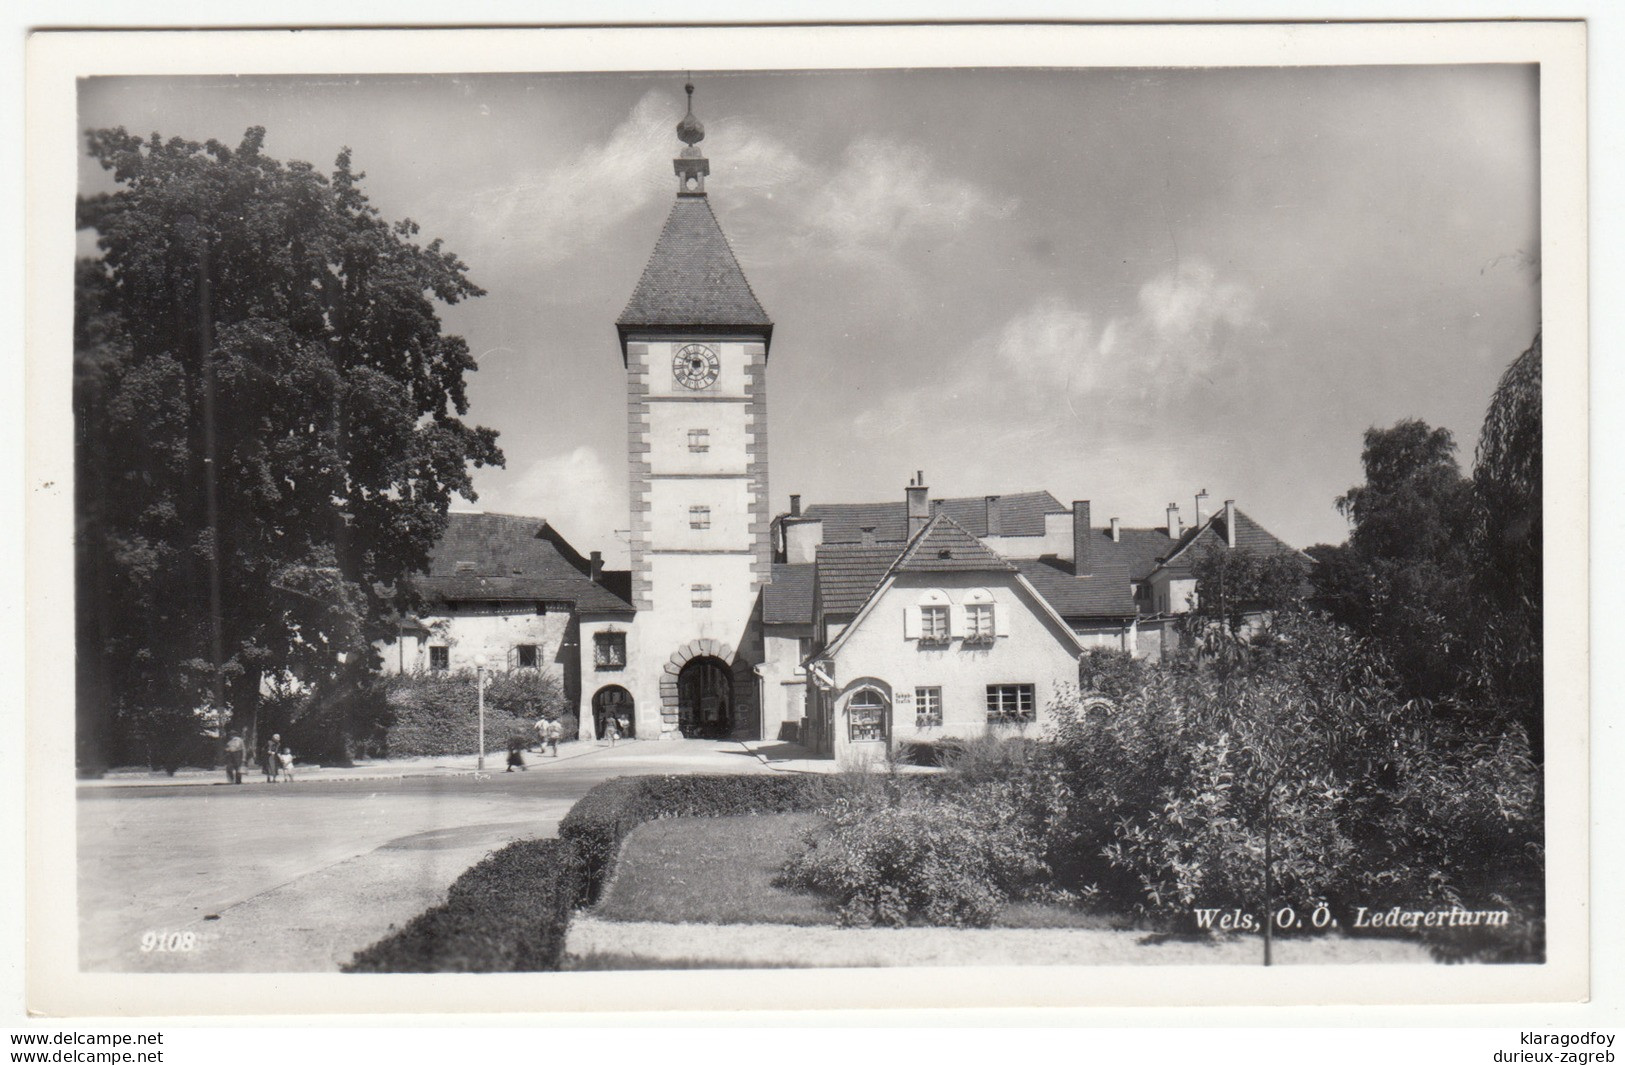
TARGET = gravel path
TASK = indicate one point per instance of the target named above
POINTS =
(767, 944)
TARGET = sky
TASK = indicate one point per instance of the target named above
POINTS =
(1116, 285)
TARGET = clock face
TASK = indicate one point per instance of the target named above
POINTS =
(695, 366)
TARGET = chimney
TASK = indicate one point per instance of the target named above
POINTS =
(919, 504)
(1175, 529)
(1201, 508)
(868, 537)
(1082, 558)
(597, 561)
(1230, 523)
(795, 506)
(1117, 532)
(995, 523)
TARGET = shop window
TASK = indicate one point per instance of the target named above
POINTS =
(866, 716)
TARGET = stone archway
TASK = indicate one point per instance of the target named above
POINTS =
(670, 688)
(613, 699)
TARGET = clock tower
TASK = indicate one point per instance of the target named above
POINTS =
(694, 341)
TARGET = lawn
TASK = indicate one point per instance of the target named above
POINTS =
(711, 870)
(720, 870)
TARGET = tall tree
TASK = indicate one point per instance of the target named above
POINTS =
(263, 316)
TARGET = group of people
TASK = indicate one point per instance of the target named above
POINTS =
(548, 734)
(275, 759)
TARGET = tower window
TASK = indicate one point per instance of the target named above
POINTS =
(702, 596)
(699, 517)
(699, 440)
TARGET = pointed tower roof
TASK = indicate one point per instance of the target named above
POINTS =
(693, 280)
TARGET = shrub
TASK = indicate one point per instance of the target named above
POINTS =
(509, 913)
(922, 858)
(438, 713)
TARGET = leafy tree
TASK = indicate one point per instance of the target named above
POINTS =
(274, 306)
(1236, 591)
(1507, 484)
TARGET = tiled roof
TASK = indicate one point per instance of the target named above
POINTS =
(1250, 536)
(944, 546)
(847, 573)
(506, 556)
(1104, 593)
(789, 599)
(1137, 550)
(1021, 514)
(692, 278)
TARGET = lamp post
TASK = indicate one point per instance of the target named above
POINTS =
(479, 684)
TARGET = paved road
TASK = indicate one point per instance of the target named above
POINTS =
(297, 877)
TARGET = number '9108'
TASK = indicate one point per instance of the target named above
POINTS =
(168, 942)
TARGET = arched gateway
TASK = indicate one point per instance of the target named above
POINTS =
(699, 690)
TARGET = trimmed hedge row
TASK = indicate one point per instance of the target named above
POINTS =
(508, 914)
(597, 824)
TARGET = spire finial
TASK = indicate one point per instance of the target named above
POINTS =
(691, 166)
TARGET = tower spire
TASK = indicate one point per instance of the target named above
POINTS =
(691, 167)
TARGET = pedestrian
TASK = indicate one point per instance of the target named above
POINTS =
(516, 753)
(552, 734)
(612, 729)
(284, 761)
(234, 758)
(541, 733)
(623, 726)
(272, 758)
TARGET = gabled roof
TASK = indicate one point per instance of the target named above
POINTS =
(1250, 536)
(1021, 514)
(944, 546)
(692, 278)
(789, 599)
(510, 557)
(847, 573)
(1105, 593)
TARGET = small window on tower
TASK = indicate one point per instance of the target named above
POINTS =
(609, 650)
(699, 517)
(702, 596)
(699, 440)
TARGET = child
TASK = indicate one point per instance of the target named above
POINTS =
(284, 760)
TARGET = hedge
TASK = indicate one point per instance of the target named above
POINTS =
(509, 913)
(434, 714)
(602, 818)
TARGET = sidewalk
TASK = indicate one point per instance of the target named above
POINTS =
(461, 765)
(786, 757)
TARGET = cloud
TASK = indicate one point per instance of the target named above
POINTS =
(554, 213)
(578, 493)
(884, 193)
(1054, 364)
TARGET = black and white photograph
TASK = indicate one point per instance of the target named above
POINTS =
(744, 502)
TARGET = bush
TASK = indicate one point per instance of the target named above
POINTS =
(598, 822)
(509, 913)
(916, 857)
(431, 714)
